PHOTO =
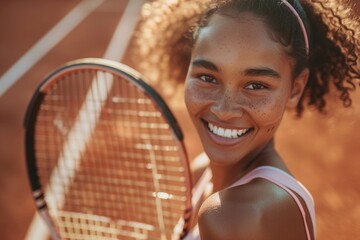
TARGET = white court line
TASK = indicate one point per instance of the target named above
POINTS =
(115, 51)
(124, 31)
(47, 42)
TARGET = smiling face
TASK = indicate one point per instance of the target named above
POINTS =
(238, 87)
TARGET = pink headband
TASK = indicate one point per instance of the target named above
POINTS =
(302, 25)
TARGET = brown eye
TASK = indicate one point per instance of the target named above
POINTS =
(207, 78)
(256, 86)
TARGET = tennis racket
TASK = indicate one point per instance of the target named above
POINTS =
(105, 156)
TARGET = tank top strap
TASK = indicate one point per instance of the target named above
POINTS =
(288, 183)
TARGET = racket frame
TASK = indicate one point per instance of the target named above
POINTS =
(107, 66)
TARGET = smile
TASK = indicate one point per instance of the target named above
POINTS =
(227, 133)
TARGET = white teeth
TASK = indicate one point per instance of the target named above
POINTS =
(227, 133)
(234, 133)
(241, 132)
(221, 132)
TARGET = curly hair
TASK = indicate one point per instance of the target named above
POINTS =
(162, 47)
(167, 31)
(335, 53)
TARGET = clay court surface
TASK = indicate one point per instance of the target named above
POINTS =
(323, 152)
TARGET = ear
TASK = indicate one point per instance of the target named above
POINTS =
(298, 88)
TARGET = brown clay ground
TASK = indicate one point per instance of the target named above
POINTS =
(323, 152)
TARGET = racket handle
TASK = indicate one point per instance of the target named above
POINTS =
(44, 213)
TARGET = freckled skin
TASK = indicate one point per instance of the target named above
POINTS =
(247, 45)
(224, 87)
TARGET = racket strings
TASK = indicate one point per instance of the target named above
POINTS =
(51, 132)
(129, 134)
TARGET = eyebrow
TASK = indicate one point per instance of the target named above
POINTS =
(252, 72)
(205, 64)
(262, 72)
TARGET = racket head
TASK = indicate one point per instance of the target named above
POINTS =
(105, 152)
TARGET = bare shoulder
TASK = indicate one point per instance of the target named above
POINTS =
(258, 210)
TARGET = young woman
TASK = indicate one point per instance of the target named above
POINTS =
(248, 62)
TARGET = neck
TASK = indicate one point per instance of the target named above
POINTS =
(225, 175)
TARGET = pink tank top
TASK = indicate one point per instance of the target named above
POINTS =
(283, 180)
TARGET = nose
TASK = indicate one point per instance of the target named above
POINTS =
(227, 106)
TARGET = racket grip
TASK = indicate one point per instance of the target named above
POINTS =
(44, 213)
